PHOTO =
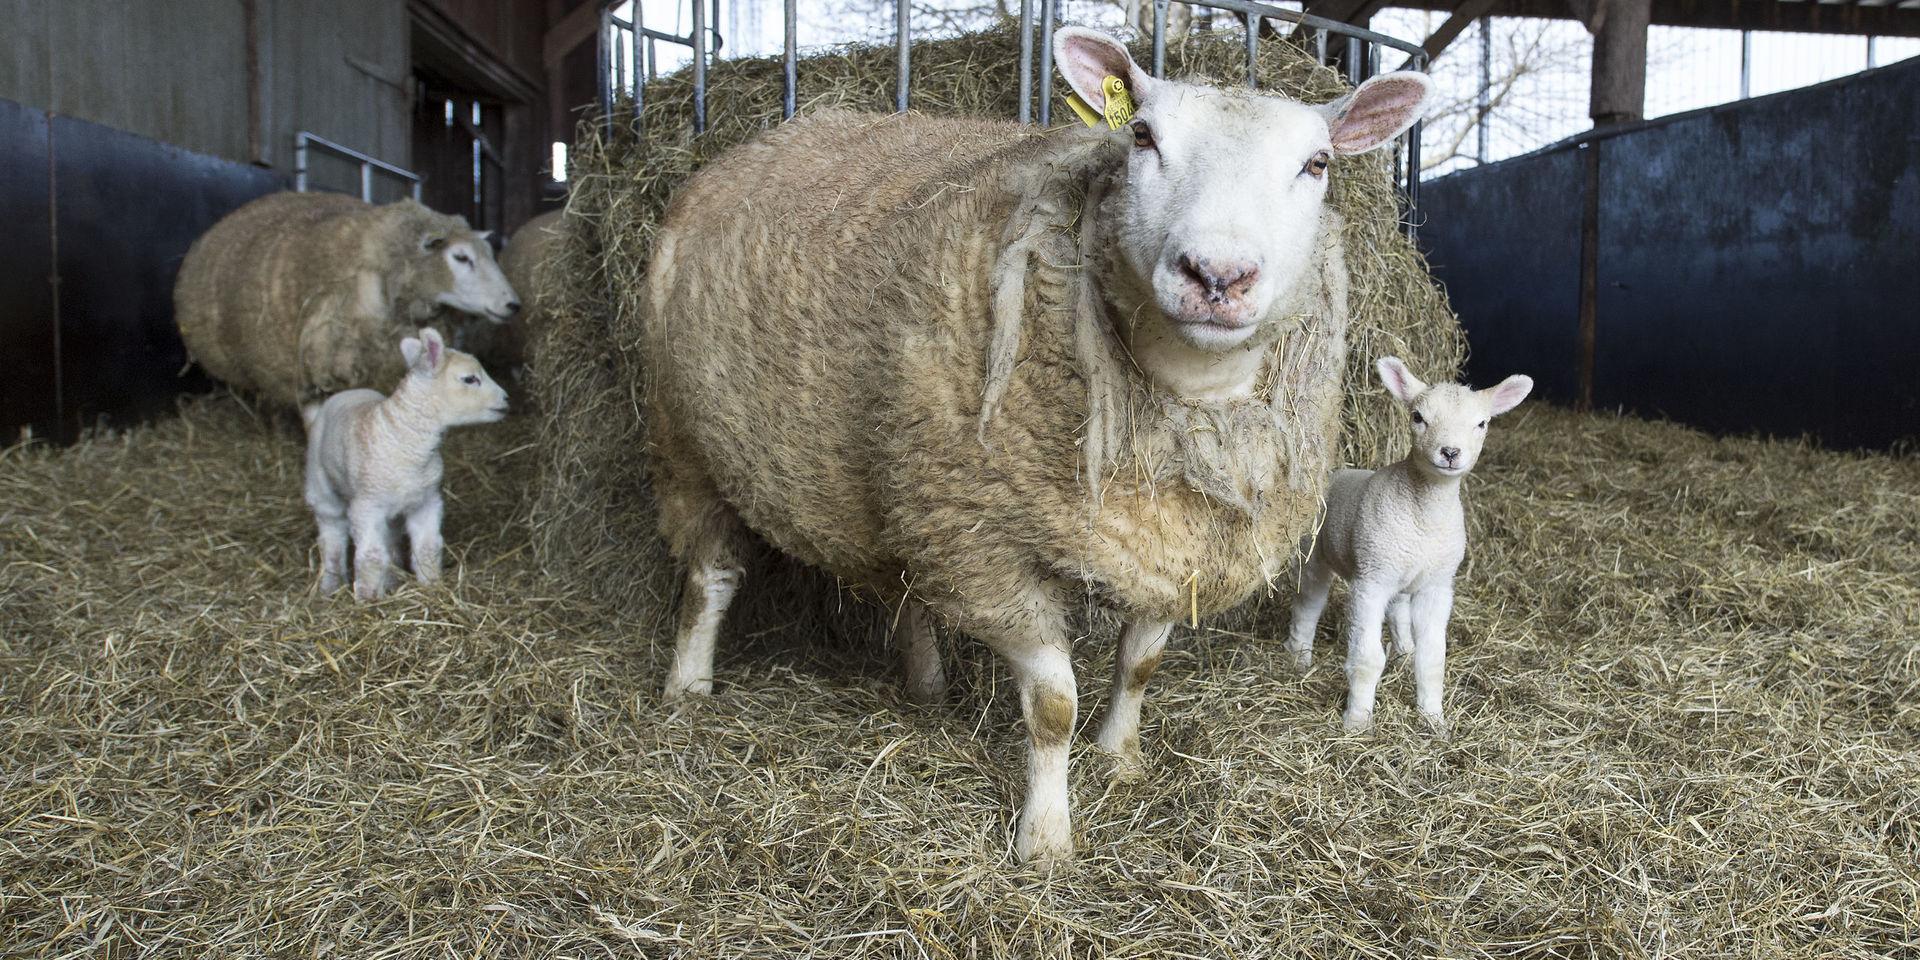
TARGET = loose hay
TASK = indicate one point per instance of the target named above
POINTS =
(1685, 685)
(594, 519)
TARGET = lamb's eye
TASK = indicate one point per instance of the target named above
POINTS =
(462, 258)
(471, 379)
(1483, 424)
(1142, 134)
(1317, 166)
(1418, 419)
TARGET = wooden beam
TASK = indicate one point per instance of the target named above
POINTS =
(1899, 19)
(1619, 93)
(578, 26)
(1457, 24)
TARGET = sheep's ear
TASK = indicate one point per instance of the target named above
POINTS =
(410, 351)
(1508, 393)
(1088, 57)
(1380, 110)
(1399, 380)
(428, 351)
(429, 242)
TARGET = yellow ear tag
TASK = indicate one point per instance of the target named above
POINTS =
(1119, 105)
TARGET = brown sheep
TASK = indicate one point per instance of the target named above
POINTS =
(298, 295)
(993, 371)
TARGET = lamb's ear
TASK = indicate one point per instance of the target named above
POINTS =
(410, 351)
(1088, 57)
(1399, 380)
(1380, 110)
(1508, 393)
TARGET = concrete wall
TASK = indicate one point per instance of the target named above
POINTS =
(1756, 265)
(178, 72)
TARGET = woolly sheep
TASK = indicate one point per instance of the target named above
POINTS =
(298, 295)
(524, 261)
(893, 347)
(374, 460)
(1397, 535)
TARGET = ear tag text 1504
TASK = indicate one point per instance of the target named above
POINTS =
(1119, 106)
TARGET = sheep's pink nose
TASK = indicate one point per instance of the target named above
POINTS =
(1220, 281)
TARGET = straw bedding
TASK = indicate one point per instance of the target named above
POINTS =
(1685, 685)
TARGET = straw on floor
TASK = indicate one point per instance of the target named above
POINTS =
(1684, 679)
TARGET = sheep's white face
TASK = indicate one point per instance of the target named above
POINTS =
(1221, 205)
(1449, 420)
(460, 391)
(475, 284)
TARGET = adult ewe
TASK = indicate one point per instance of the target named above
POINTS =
(991, 370)
(526, 260)
(298, 295)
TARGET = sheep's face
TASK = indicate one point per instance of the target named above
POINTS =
(1449, 420)
(459, 390)
(467, 276)
(1220, 207)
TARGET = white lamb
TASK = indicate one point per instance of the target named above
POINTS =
(374, 461)
(1397, 535)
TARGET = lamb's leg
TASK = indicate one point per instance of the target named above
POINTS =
(705, 533)
(1315, 582)
(1366, 608)
(919, 643)
(1431, 609)
(1400, 622)
(372, 549)
(333, 550)
(1133, 665)
(423, 535)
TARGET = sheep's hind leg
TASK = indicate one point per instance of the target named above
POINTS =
(372, 549)
(1400, 623)
(1367, 607)
(919, 642)
(1315, 582)
(1134, 661)
(423, 538)
(705, 533)
(333, 550)
(1431, 608)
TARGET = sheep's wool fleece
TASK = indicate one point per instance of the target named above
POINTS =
(298, 295)
(824, 329)
(526, 262)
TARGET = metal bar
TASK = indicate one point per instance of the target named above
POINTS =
(300, 163)
(605, 82)
(1355, 67)
(902, 53)
(1485, 99)
(619, 62)
(699, 67)
(366, 182)
(1253, 51)
(1872, 52)
(1046, 62)
(1413, 181)
(1311, 21)
(1160, 38)
(1026, 61)
(304, 139)
(790, 64)
(1746, 64)
(1589, 273)
(1320, 44)
(639, 61)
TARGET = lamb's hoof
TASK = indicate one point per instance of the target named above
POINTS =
(369, 593)
(329, 584)
(1357, 723)
(1129, 765)
(1302, 658)
(1437, 726)
(1044, 837)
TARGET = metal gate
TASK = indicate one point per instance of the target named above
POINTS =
(627, 54)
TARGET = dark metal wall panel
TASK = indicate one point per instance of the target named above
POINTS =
(127, 210)
(1505, 242)
(28, 346)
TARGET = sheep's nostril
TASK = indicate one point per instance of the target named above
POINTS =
(1451, 453)
(1220, 281)
(513, 306)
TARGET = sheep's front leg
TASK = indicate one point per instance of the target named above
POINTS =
(1316, 580)
(1400, 623)
(1366, 608)
(1134, 662)
(919, 641)
(333, 550)
(1050, 701)
(372, 551)
(423, 534)
(1431, 609)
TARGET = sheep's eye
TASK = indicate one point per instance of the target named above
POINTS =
(1417, 418)
(1142, 134)
(1317, 166)
(462, 258)
(472, 379)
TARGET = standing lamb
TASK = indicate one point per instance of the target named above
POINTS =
(993, 370)
(374, 460)
(298, 295)
(1397, 535)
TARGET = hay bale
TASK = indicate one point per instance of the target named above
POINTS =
(505, 349)
(298, 295)
(595, 520)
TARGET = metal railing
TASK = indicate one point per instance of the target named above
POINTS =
(619, 43)
(303, 141)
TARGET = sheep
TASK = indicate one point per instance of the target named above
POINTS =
(1397, 535)
(984, 372)
(525, 263)
(298, 295)
(374, 460)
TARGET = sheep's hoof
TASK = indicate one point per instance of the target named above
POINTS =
(927, 691)
(1302, 657)
(1357, 723)
(1437, 726)
(330, 583)
(681, 690)
(367, 593)
(1044, 837)
(1129, 765)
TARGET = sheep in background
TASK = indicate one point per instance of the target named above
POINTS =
(374, 460)
(994, 370)
(1397, 535)
(298, 295)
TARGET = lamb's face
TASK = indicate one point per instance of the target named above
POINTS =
(470, 279)
(1220, 207)
(459, 392)
(1449, 420)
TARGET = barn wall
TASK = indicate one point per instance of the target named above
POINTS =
(1755, 263)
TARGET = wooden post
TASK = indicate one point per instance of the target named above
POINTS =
(1619, 30)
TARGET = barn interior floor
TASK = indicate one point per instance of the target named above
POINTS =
(1684, 681)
